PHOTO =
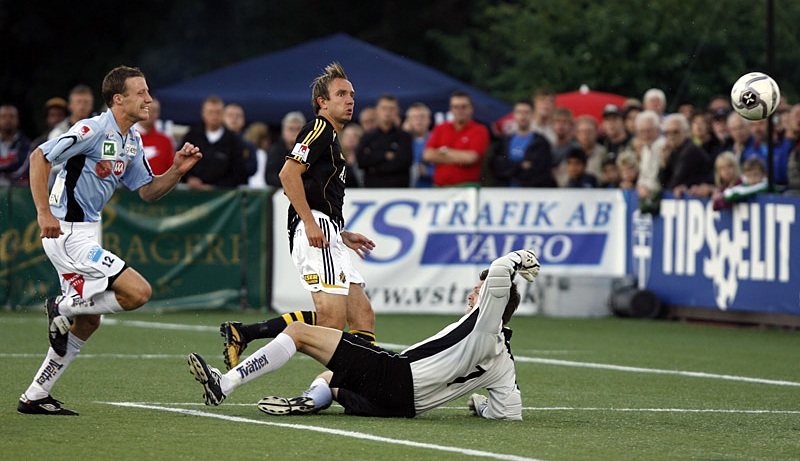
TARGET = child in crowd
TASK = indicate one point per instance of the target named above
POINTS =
(628, 170)
(726, 174)
(754, 181)
(576, 170)
(610, 174)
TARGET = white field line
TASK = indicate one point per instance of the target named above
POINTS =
(158, 325)
(602, 366)
(104, 356)
(637, 410)
(332, 431)
(693, 374)
(124, 356)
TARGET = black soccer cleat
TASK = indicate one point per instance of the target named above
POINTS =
(209, 377)
(45, 406)
(58, 326)
(235, 343)
(294, 406)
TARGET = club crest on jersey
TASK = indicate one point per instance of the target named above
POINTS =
(300, 151)
(119, 167)
(109, 150)
(76, 281)
(104, 168)
(110, 135)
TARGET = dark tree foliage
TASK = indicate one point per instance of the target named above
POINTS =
(692, 50)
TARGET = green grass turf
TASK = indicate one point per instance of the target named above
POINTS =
(576, 433)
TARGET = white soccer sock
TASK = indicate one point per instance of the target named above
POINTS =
(101, 303)
(52, 368)
(320, 391)
(269, 358)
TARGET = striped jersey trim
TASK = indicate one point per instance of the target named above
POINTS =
(313, 135)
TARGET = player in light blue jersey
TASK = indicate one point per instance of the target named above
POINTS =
(96, 154)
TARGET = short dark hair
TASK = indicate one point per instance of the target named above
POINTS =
(562, 112)
(114, 82)
(513, 297)
(578, 154)
(544, 91)
(610, 161)
(461, 94)
(386, 97)
(754, 164)
(319, 87)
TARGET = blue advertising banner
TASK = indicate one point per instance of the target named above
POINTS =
(737, 259)
(431, 244)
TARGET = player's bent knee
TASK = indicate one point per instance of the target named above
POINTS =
(139, 296)
(299, 332)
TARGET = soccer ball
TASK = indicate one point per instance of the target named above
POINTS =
(755, 96)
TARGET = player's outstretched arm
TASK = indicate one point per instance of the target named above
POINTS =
(358, 243)
(525, 263)
(184, 160)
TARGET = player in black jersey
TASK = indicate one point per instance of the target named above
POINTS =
(313, 179)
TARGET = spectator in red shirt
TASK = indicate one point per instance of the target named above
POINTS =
(457, 147)
(158, 147)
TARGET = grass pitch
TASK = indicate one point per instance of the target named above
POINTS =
(607, 389)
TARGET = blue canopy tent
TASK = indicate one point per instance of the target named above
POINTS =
(269, 86)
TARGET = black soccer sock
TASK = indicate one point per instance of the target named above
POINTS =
(273, 327)
(367, 336)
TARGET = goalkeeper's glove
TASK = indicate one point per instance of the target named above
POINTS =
(526, 263)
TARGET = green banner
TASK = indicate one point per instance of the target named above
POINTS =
(197, 249)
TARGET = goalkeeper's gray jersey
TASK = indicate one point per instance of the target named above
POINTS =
(471, 354)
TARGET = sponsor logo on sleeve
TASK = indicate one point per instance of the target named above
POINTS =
(311, 279)
(83, 131)
(300, 151)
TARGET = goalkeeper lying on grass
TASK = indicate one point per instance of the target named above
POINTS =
(472, 353)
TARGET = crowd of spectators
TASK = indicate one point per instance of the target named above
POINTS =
(697, 151)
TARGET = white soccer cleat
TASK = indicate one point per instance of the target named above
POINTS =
(528, 266)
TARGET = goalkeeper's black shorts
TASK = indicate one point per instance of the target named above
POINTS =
(372, 381)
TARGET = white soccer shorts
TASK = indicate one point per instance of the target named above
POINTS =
(324, 269)
(83, 266)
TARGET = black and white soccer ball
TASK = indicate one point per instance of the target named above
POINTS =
(755, 96)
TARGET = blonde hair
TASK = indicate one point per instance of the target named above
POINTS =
(319, 87)
(627, 158)
(256, 132)
(730, 158)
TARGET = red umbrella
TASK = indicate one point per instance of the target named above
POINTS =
(587, 102)
(581, 102)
